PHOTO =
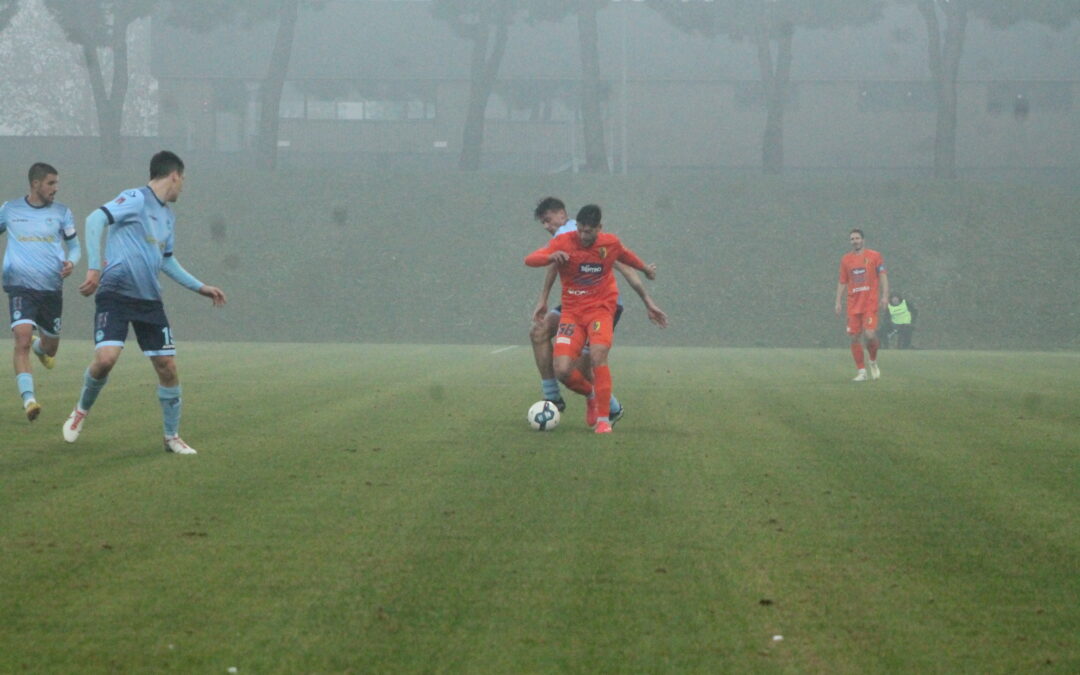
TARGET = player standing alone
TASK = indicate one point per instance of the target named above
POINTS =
(139, 245)
(862, 273)
(35, 266)
(585, 260)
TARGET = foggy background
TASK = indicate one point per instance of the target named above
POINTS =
(366, 170)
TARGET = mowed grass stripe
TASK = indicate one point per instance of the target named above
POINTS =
(388, 509)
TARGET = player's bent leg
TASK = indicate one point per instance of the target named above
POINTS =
(872, 345)
(169, 396)
(94, 380)
(105, 358)
(43, 353)
(165, 367)
(24, 381)
(540, 335)
(23, 336)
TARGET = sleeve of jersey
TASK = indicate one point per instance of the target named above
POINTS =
(540, 257)
(3, 218)
(74, 251)
(171, 266)
(630, 258)
(95, 225)
(71, 239)
(125, 204)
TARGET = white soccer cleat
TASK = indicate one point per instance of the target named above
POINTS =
(74, 424)
(875, 372)
(860, 376)
(176, 445)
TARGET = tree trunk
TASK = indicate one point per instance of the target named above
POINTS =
(595, 154)
(774, 80)
(266, 143)
(944, 54)
(485, 69)
(110, 104)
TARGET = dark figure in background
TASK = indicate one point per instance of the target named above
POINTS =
(901, 318)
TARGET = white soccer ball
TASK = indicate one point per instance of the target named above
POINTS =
(543, 416)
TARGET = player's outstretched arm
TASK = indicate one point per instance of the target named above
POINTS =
(631, 259)
(171, 266)
(74, 254)
(656, 315)
(541, 305)
(214, 293)
(94, 227)
(545, 256)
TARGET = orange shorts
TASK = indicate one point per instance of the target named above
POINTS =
(596, 327)
(857, 323)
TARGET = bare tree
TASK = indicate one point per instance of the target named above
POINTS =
(204, 15)
(8, 9)
(100, 28)
(591, 92)
(486, 23)
(770, 25)
(946, 27)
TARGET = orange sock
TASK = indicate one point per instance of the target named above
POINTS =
(602, 385)
(856, 351)
(575, 381)
(872, 348)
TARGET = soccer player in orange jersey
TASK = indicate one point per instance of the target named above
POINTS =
(585, 260)
(862, 274)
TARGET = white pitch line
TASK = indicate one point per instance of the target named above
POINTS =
(504, 349)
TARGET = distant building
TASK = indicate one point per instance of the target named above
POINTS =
(381, 83)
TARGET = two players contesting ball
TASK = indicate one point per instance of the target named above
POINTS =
(585, 260)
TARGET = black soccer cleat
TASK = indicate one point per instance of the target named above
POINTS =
(559, 403)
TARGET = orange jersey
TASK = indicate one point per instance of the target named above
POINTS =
(860, 272)
(588, 278)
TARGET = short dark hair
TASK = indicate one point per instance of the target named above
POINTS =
(548, 204)
(164, 163)
(589, 215)
(39, 170)
(857, 230)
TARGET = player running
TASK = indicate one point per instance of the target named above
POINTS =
(551, 213)
(42, 251)
(862, 273)
(585, 260)
(140, 244)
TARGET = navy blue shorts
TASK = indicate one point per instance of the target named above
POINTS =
(113, 314)
(36, 308)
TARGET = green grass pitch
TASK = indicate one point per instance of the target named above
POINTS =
(365, 508)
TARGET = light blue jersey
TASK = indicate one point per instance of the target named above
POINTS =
(570, 226)
(140, 237)
(35, 251)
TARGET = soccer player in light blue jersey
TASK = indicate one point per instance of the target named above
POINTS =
(140, 245)
(42, 250)
(551, 214)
